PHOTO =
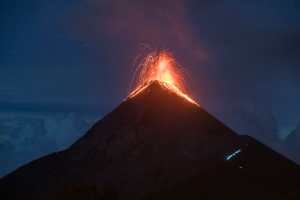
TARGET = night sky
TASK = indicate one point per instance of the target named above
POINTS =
(241, 59)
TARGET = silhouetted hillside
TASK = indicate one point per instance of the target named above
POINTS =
(158, 145)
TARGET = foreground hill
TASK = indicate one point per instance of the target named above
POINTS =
(158, 145)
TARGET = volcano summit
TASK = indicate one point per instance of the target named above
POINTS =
(157, 145)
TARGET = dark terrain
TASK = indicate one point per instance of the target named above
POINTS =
(157, 145)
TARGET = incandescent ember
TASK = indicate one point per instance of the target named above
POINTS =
(162, 67)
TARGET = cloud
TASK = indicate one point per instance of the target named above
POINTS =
(134, 24)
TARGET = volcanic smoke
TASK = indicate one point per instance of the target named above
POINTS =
(162, 67)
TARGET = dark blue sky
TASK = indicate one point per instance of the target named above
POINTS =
(241, 56)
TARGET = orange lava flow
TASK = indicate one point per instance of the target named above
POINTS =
(161, 67)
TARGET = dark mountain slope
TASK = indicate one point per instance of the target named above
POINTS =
(157, 145)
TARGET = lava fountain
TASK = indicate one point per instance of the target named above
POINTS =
(162, 67)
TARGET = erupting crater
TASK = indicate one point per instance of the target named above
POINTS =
(160, 66)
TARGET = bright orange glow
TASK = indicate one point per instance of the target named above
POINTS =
(161, 67)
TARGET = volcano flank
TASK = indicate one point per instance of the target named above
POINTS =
(157, 145)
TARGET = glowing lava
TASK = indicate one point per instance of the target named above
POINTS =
(162, 67)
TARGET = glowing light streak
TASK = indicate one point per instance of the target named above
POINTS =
(161, 67)
(230, 156)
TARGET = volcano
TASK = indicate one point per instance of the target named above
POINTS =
(157, 145)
